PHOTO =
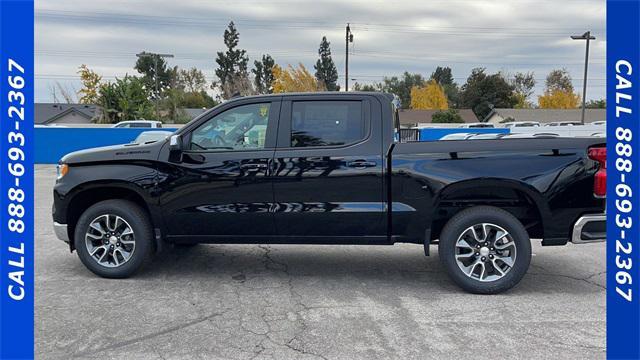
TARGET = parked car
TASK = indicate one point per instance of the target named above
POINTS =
(478, 125)
(324, 168)
(147, 137)
(513, 124)
(138, 124)
(490, 136)
(563, 123)
(528, 135)
(603, 122)
(49, 126)
(457, 136)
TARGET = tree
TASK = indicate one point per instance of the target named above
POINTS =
(232, 66)
(483, 92)
(68, 95)
(146, 66)
(198, 100)
(263, 74)
(124, 99)
(559, 79)
(90, 85)
(450, 116)
(402, 87)
(367, 87)
(597, 104)
(558, 99)
(326, 72)
(172, 106)
(523, 84)
(431, 96)
(191, 80)
(559, 91)
(294, 80)
(443, 76)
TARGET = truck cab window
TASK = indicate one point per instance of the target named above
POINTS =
(240, 128)
(326, 123)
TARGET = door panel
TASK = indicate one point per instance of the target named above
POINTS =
(330, 190)
(222, 187)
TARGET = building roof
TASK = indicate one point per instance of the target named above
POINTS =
(548, 115)
(410, 116)
(46, 113)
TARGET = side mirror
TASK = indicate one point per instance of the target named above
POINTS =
(175, 148)
(175, 143)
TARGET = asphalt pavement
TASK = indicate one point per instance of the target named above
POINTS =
(310, 302)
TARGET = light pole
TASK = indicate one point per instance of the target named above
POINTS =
(586, 36)
(155, 72)
(348, 39)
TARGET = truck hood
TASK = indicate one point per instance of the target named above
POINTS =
(125, 152)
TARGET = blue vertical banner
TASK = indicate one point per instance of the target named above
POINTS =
(623, 182)
(16, 179)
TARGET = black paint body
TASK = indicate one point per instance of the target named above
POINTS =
(374, 191)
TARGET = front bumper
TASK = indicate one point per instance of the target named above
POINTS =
(61, 231)
(589, 229)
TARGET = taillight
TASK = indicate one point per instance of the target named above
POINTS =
(599, 154)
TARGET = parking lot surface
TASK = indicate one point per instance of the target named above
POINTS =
(310, 302)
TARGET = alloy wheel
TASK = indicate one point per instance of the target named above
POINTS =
(485, 252)
(110, 240)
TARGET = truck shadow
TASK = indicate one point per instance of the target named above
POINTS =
(402, 266)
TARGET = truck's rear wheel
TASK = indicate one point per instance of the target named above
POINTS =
(113, 238)
(485, 250)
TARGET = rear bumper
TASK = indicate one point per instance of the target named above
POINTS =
(589, 229)
(61, 231)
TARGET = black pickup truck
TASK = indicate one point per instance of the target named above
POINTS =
(327, 168)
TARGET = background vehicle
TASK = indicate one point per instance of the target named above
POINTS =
(138, 124)
(529, 135)
(477, 125)
(457, 136)
(485, 136)
(324, 168)
(146, 137)
(564, 123)
(521, 124)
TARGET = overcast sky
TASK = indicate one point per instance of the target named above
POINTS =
(389, 36)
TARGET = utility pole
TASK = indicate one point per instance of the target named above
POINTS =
(586, 36)
(155, 57)
(348, 39)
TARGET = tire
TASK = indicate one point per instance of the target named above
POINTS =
(485, 278)
(103, 216)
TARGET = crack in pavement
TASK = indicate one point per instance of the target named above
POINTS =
(585, 279)
(146, 337)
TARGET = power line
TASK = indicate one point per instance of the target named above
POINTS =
(252, 23)
(359, 54)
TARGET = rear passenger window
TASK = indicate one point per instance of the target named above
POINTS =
(326, 123)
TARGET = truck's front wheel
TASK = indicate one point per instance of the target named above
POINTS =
(113, 238)
(485, 250)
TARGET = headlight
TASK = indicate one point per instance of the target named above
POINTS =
(61, 171)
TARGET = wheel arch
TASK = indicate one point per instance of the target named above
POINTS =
(520, 199)
(88, 194)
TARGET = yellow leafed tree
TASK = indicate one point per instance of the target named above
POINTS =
(90, 85)
(558, 99)
(294, 80)
(430, 96)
